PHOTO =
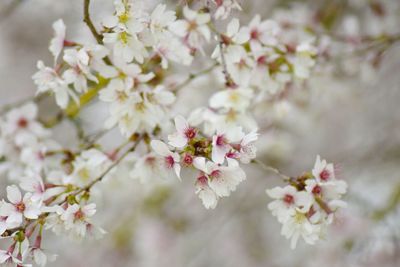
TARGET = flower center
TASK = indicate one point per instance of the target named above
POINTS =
(192, 26)
(220, 140)
(169, 160)
(232, 155)
(215, 174)
(219, 2)
(288, 199)
(324, 175)
(22, 123)
(188, 159)
(20, 207)
(317, 190)
(254, 34)
(262, 60)
(190, 133)
(202, 180)
(78, 215)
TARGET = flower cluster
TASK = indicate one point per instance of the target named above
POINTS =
(51, 179)
(308, 204)
(136, 35)
(215, 157)
(256, 56)
(23, 141)
(80, 65)
(25, 215)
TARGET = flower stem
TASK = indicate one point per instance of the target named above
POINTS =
(271, 169)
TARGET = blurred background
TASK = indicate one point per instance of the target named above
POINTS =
(349, 116)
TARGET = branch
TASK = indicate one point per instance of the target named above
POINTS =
(271, 169)
(101, 177)
(89, 23)
(193, 76)
(228, 80)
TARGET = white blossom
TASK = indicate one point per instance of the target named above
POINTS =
(222, 179)
(184, 133)
(57, 43)
(193, 28)
(171, 159)
(48, 80)
(19, 207)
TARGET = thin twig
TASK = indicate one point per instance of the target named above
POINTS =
(89, 23)
(228, 78)
(193, 76)
(271, 169)
(101, 177)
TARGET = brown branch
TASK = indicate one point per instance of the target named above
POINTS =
(193, 76)
(228, 79)
(101, 177)
(89, 23)
(272, 169)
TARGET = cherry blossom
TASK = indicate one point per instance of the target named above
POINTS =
(58, 41)
(19, 207)
(171, 159)
(193, 28)
(184, 133)
(222, 179)
(47, 79)
(224, 8)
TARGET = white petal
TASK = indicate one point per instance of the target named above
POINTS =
(177, 140)
(200, 163)
(181, 124)
(14, 194)
(160, 148)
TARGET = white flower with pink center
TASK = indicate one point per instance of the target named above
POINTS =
(22, 124)
(33, 183)
(288, 201)
(329, 190)
(148, 168)
(222, 179)
(184, 133)
(207, 195)
(247, 149)
(262, 33)
(323, 171)
(224, 8)
(48, 80)
(221, 143)
(76, 219)
(193, 28)
(19, 207)
(79, 71)
(171, 159)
